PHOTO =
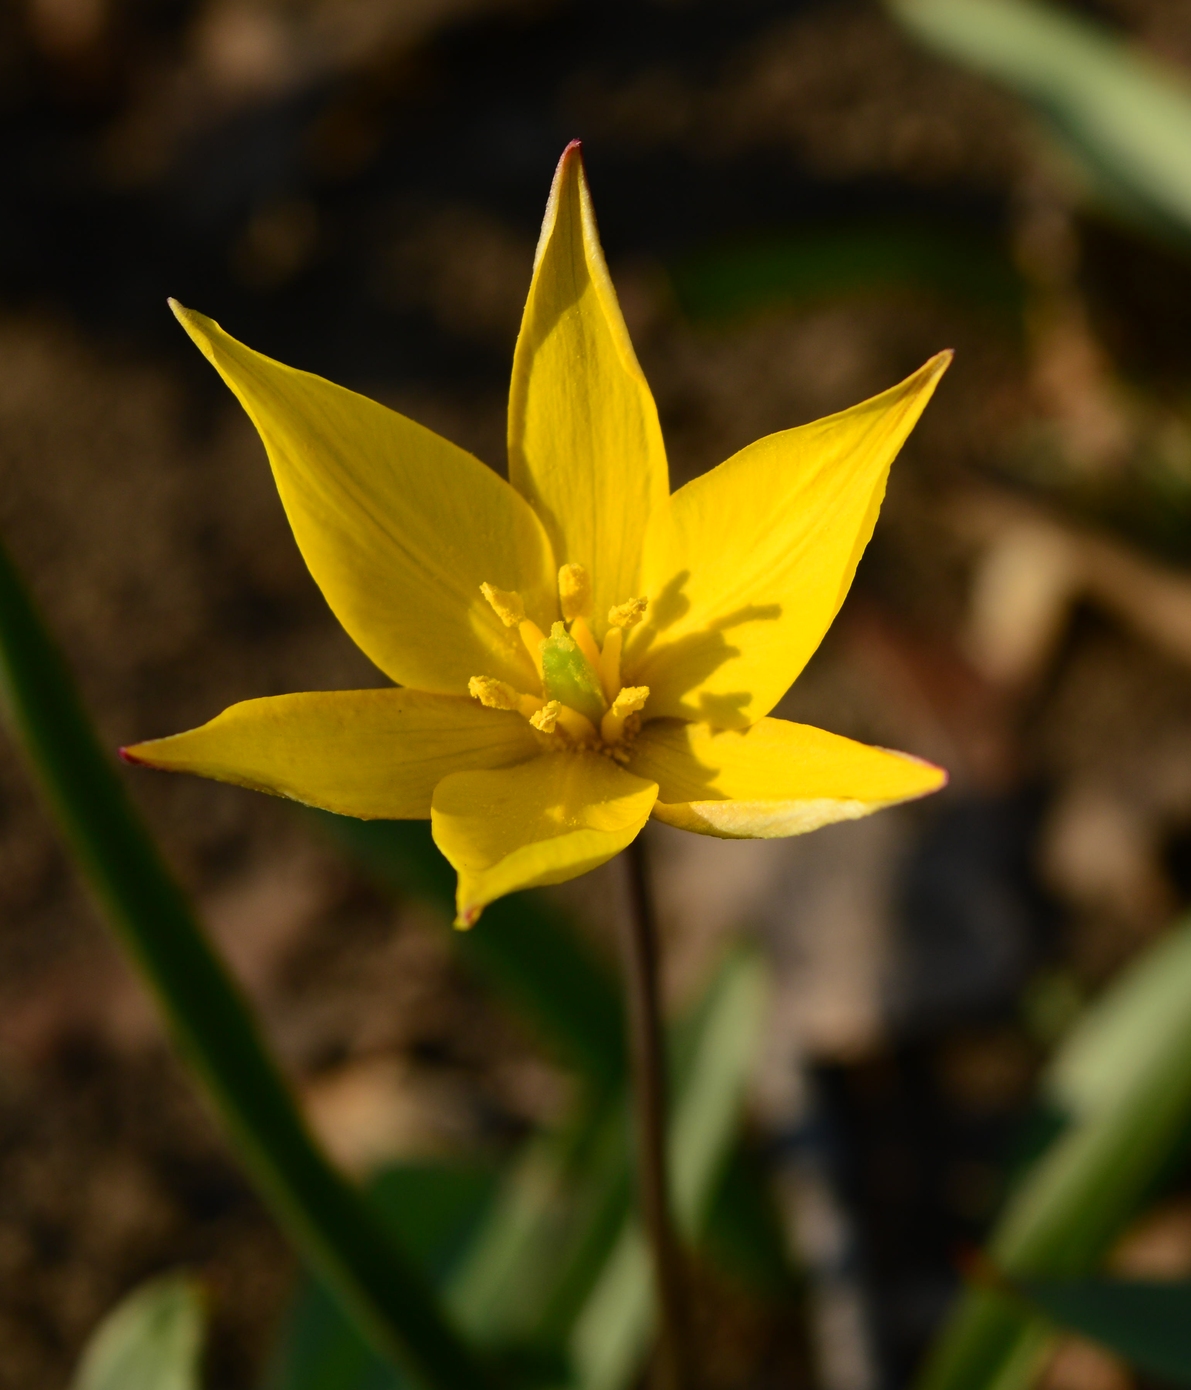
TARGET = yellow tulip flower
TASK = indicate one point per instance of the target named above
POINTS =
(576, 649)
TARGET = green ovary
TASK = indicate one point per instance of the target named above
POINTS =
(567, 676)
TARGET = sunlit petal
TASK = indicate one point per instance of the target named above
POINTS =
(760, 554)
(585, 446)
(398, 526)
(541, 822)
(375, 754)
(771, 780)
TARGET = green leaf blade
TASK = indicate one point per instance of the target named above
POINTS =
(152, 1340)
(209, 1020)
(1149, 1324)
(1124, 117)
(1124, 1079)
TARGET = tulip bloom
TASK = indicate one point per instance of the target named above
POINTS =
(576, 649)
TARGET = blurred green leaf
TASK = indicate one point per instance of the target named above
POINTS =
(433, 1209)
(559, 1213)
(1122, 1081)
(151, 1340)
(1124, 116)
(551, 1240)
(210, 1022)
(1149, 1324)
(829, 262)
(744, 1237)
(533, 956)
(547, 1235)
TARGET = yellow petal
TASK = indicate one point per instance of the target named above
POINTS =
(759, 556)
(376, 754)
(398, 526)
(543, 821)
(585, 446)
(771, 780)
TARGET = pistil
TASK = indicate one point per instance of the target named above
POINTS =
(569, 677)
(582, 696)
(574, 598)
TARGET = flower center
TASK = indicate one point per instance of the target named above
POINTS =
(582, 698)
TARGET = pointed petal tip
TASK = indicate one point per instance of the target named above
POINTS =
(570, 162)
(128, 755)
(192, 321)
(941, 773)
(467, 917)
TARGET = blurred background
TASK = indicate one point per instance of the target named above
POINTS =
(800, 203)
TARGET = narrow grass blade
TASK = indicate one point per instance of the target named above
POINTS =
(328, 1220)
(1124, 116)
(151, 1340)
(1123, 1083)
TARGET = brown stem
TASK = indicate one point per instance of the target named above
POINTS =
(648, 1061)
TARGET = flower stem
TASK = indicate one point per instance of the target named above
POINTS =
(648, 1062)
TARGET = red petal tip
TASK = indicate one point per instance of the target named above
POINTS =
(127, 756)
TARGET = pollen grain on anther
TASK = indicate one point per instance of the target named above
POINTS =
(509, 607)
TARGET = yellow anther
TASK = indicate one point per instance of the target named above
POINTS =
(574, 592)
(547, 717)
(628, 614)
(629, 700)
(554, 714)
(510, 608)
(494, 694)
(609, 667)
(586, 642)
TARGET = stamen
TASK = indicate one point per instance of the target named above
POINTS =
(629, 700)
(533, 637)
(574, 592)
(547, 717)
(628, 614)
(586, 642)
(609, 666)
(510, 609)
(494, 694)
(509, 605)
